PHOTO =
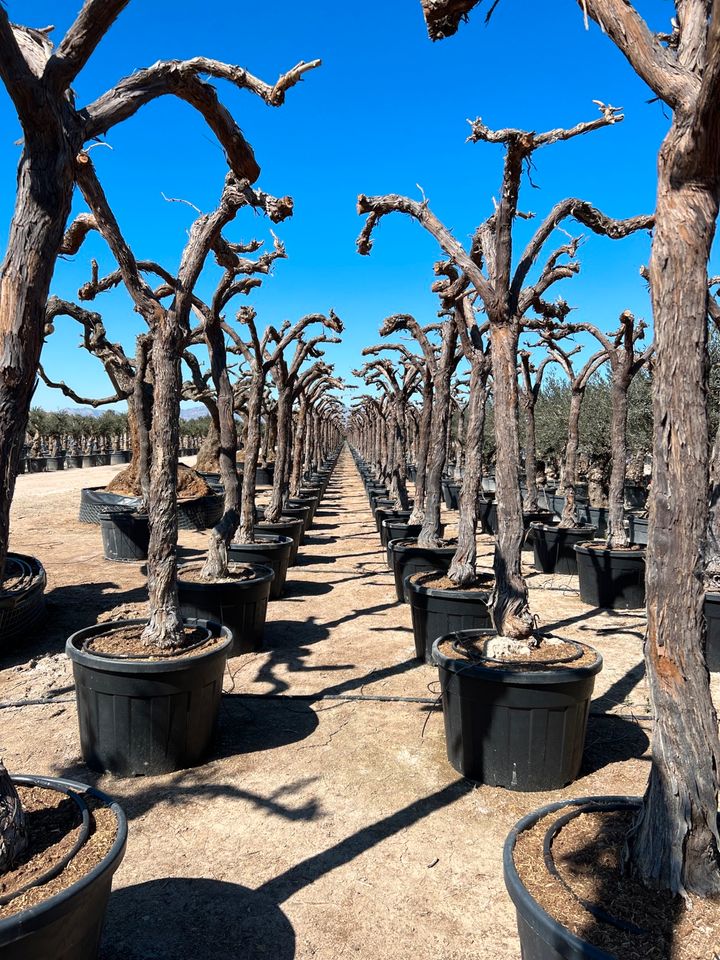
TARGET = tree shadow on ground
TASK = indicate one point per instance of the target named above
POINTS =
(183, 918)
(612, 739)
(299, 589)
(617, 693)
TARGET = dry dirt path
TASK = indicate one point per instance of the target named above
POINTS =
(328, 823)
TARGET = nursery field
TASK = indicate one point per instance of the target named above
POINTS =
(327, 822)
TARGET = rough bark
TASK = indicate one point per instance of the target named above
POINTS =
(430, 532)
(617, 535)
(675, 845)
(423, 446)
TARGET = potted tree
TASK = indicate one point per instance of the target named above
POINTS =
(467, 668)
(671, 846)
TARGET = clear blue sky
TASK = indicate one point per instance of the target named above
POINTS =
(386, 111)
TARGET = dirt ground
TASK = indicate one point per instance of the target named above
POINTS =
(328, 823)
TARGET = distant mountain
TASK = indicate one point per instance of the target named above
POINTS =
(192, 413)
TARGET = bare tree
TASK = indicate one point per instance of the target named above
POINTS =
(625, 363)
(529, 392)
(506, 297)
(675, 843)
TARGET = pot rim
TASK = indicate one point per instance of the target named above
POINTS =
(565, 674)
(266, 539)
(15, 926)
(544, 925)
(262, 572)
(587, 549)
(400, 544)
(443, 593)
(583, 529)
(165, 665)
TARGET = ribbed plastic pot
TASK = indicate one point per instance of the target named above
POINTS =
(22, 610)
(408, 558)
(447, 494)
(146, 717)
(89, 460)
(302, 513)
(73, 461)
(711, 609)
(67, 926)
(239, 605)
(125, 535)
(637, 528)
(309, 502)
(554, 547)
(270, 551)
(287, 527)
(612, 579)
(436, 612)
(37, 464)
(398, 529)
(264, 476)
(541, 936)
(514, 728)
(53, 464)
(118, 457)
(483, 510)
(388, 513)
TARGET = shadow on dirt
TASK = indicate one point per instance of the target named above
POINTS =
(182, 918)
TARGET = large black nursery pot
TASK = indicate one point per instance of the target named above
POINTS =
(387, 513)
(554, 546)
(125, 535)
(309, 502)
(612, 579)
(407, 558)
(637, 528)
(450, 492)
(53, 464)
(239, 605)
(73, 461)
(436, 611)
(397, 528)
(264, 475)
(286, 527)
(483, 515)
(542, 937)
(270, 551)
(22, 608)
(711, 609)
(148, 716)
(68, 925)
(508, 726)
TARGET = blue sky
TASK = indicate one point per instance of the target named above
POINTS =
(386, 111)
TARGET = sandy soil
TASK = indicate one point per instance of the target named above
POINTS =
(328, 823)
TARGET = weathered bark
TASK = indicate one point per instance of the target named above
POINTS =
(164, 630)
(278, 498)
(208, 456)
(216, 564)
(463, 568)
(569, 514)
(13, 827)
(597, 477)
(510, 609)
(675, 845)
(430, 532)
(617, 535)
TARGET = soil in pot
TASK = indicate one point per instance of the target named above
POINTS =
(438, 606)
(238, 601)
(563, 870)
(406, 558)
(150, 712)
(515, 717)
(554, 547)
(611, 578)
(54, 898)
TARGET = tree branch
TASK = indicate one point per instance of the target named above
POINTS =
(80, 41)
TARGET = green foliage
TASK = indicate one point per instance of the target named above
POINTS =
(49, 422)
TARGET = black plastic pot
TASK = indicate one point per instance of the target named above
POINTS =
(309, 502)
(483, 511)
(53, 464)
(37, 464)
(598, 518)
(89, 460)
(613, 579)
(285, 527)
(514, 728)
(125, 535)
(387, 513)
(554, 547)
(450, 491)
(635, 496)
(264, 476)
(269, 550)
(637, 528)
(199, 513)
(146, 716)
(68, 925)
(119, 457)
(396, 528)
(95, 500)
(24, 608)
(711, 609)
(436, 612)
(407, 558)
(73, 461)
(541, 936)
(239, 605)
